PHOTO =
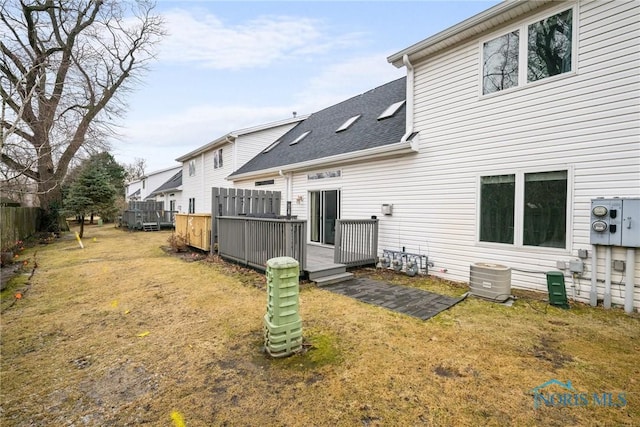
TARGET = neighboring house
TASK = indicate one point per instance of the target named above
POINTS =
(170, 193)
(209, 165)
(141, 189)
(525, 113)
(133, 191)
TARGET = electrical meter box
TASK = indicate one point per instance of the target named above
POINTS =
(615, 222)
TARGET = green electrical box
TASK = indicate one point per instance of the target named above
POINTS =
(557, 290)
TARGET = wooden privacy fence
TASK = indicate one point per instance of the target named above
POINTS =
(356, 242)
(253, 241)
(235, 201)
(18, 224)
(196, 229)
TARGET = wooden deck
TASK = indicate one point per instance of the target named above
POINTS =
(321, 268)
(252, 241)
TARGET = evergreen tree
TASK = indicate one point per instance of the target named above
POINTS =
(91, 192)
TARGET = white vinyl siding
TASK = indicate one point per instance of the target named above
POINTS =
(588, 123)
(236, 153)
(249, 145)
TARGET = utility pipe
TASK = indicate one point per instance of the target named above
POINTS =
(287, 185)
(409, 98)
(607, 278)
(593, 296)
(630, 280)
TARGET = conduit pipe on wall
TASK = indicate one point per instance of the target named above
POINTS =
(607, 278)
(593, 296)
(409, 98)
(630, 280)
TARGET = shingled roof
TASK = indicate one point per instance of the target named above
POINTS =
(170, 185)
(323, 138)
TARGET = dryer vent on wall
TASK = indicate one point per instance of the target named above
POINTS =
(491, 281)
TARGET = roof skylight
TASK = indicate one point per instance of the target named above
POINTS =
(300, 138)
(271, 147)
(391, 110)
(348, 123)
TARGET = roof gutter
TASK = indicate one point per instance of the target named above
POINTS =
(409, 102)
(403, 147)
(470, 27)
(228, 138)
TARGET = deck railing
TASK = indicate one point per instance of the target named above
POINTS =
(134, 219)
(356, 242)
(253, 241)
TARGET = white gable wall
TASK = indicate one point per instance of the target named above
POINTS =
(249, 145)
(193, 186)
(153, 180)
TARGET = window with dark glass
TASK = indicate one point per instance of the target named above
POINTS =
(545, 209)
(549, 46)
(497, 201)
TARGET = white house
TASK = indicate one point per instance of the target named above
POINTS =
(209, 165)
(516, 119)
(142, 188)
(169, 193)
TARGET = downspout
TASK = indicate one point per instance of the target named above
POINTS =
(409, 100)
(287, 186)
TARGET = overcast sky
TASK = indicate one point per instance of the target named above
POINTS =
(227, 65)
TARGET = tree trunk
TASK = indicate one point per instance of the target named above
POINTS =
(81, 233)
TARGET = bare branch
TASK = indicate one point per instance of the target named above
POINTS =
(65, 65)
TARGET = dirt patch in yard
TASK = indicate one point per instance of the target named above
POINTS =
(124, 333)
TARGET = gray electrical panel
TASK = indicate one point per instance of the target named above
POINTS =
(615, 222)
(631, 223)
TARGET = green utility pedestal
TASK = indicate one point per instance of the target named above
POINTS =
(282, 323)
(557, 290)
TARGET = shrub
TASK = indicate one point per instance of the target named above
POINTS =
(178, 242)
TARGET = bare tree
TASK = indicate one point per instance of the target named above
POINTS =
(65, 67)
(135, 170)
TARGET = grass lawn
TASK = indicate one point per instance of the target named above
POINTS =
(122, 333)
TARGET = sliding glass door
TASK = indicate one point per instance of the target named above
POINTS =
(324, 209)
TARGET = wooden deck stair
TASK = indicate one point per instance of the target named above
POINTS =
(150, 226)
(321, 269)
(328, 274)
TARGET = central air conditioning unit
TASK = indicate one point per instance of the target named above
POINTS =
(491, 281)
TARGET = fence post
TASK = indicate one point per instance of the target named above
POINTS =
(245, 249)
(374, 240)
(288, 240)
(337, 250)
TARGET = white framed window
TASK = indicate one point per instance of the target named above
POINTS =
(192, 167)
(192, 205)
(538, 49)
(525, 209)
(217, 159)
